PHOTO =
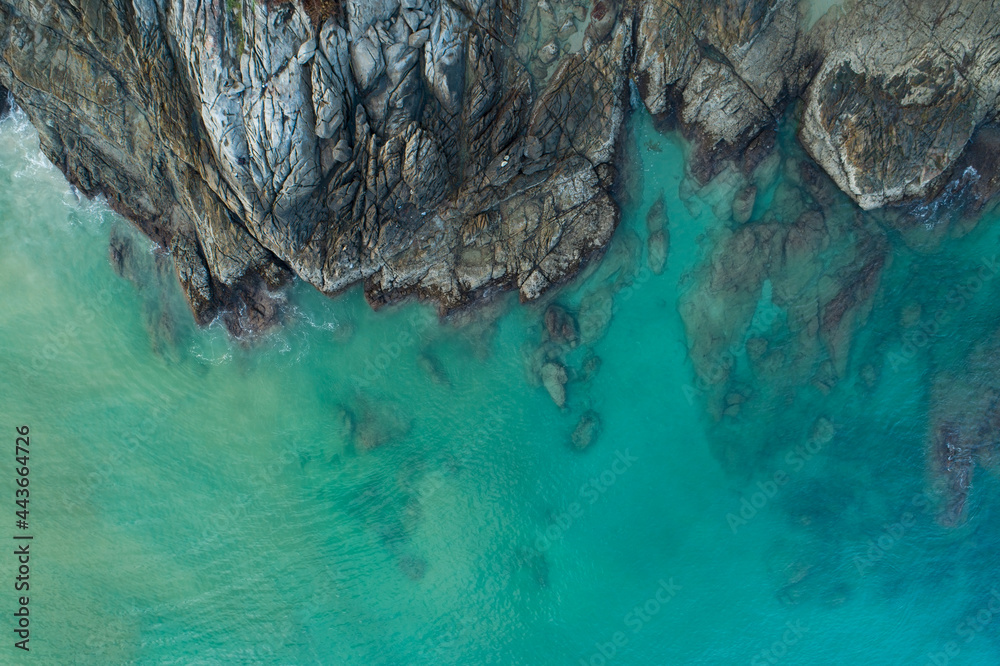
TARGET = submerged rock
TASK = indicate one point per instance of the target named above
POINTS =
(620, 264)
(433, 368)
(780, 299)
(963, 429)
(658, 246)
(554, 380)
(370, 427)
(868, 375)
(586, 431)
(535, 562)
(822, 431)
(743, 204)
(826, 378)
(591, 364)
(656, 216)
(909, 314)
(596, 312)
(413, 567)
(122, 253)
(658, 243)
(952, 464)
(561, 326)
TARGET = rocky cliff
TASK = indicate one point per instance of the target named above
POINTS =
(451, 148)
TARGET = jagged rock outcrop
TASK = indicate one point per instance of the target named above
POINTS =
(403, 145)
(902, 90)
(726, 68)
(450, 148)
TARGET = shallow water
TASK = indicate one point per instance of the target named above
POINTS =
(379, 488)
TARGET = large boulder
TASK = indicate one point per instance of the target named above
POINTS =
(902, 89)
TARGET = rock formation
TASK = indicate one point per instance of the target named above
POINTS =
(902, 89)
(726, 68)
(426, 147)
(451, 148)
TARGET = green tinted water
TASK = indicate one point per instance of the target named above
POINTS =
(378, 488)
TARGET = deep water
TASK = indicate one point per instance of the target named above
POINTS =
(378, 488)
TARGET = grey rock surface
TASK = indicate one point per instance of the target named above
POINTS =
(451, 148)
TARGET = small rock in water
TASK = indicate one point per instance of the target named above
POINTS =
(554, 380)
(587, 430)
(602, 19)
(822, 431)
(658, 244)
(545, 352)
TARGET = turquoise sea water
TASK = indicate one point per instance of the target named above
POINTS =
(381, 488)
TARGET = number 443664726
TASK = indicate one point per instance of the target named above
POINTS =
(21, 458)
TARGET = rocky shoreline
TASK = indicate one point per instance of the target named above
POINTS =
(449, 149)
